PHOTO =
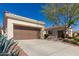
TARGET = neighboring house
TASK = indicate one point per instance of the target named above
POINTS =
(58, 31)
(18, 27)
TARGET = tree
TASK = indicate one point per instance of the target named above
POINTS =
(62, 14)
(70, 12)
(51, 12)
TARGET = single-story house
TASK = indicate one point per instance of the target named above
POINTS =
(58, 31)
(18, 27)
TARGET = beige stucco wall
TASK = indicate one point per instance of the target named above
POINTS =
(11, 22)
(69, 32)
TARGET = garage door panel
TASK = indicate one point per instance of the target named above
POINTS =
(26, 32)
(21, 32)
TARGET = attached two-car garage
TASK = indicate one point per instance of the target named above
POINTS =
(25, 32)
(21, 28)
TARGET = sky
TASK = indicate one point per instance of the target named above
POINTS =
(30, 10)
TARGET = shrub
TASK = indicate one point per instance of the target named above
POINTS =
(8, 47)
(76, 39)
(65, 40)
(46, 35)
(70, 37)
(73, 42)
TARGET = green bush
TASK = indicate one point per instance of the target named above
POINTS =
(76, 39)
(65, 41)
(72, 41)
(70, 37)
(8, 47)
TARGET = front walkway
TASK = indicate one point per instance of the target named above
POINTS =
(40, 47)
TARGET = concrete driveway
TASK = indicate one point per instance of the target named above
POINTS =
(38, 47)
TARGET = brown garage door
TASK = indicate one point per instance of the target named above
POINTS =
(22, 32)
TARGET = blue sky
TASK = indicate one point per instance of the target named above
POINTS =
(30, 10)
